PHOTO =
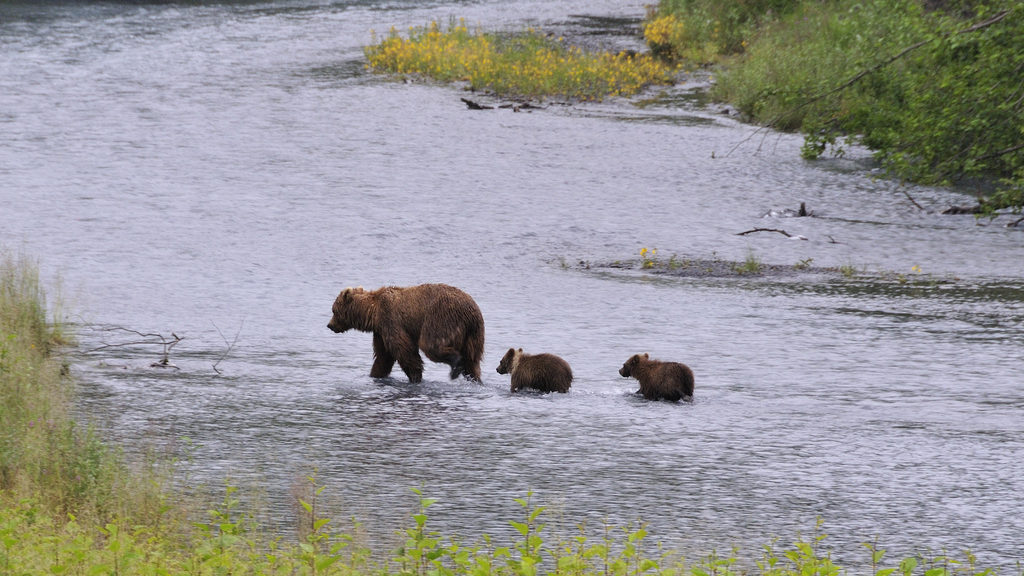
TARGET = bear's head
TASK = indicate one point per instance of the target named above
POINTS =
(346, 312)
(631, 364)
(509, 361)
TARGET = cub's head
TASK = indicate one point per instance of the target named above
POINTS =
(343, 317)
(631, 364)
(509, 361)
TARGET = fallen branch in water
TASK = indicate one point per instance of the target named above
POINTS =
(149, 338)
(911, 198)
(779, 230)
(230, 344)
(976, 209)
(475, 105)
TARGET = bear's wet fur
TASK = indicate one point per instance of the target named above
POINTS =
(441, 320)
(660, 380)
(544, 372)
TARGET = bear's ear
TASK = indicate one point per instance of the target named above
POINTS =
(520, 350)
(647, 356)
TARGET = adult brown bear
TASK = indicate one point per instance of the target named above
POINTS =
(544, 372)
(669, 380)
(441, 320)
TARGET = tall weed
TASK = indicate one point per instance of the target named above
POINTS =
(44, 454)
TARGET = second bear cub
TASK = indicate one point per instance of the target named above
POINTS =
(544, 372)
(659, 380)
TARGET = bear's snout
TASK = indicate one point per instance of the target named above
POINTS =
(333, 325)
(623, 372)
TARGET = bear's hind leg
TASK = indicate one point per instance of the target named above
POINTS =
(471, 371)
(412, 365)
(456, 370)
(446, 355)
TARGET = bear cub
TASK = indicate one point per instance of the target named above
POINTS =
(544, 372)
(659, 380)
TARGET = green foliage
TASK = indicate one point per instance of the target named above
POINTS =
(701, 31)
(939, 98)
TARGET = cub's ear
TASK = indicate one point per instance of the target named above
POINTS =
(647, 356)
(510, 351)
(520, 350)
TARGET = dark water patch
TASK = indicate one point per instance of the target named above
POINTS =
(685, 267)
(690, 93)
(597, 33)
(672, 119)
(341, 71)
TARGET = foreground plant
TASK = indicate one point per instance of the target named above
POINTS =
(527, 65)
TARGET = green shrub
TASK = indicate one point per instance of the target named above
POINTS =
(701, 31)
(938, 98)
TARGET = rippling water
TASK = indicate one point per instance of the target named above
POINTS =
(221, 171)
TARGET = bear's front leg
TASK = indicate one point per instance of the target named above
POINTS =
(383, 361)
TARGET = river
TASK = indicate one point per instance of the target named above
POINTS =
(219, 172)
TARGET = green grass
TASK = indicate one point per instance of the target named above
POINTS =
(527, 65)
(751, 265)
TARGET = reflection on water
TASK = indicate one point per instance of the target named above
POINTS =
(220, 172)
